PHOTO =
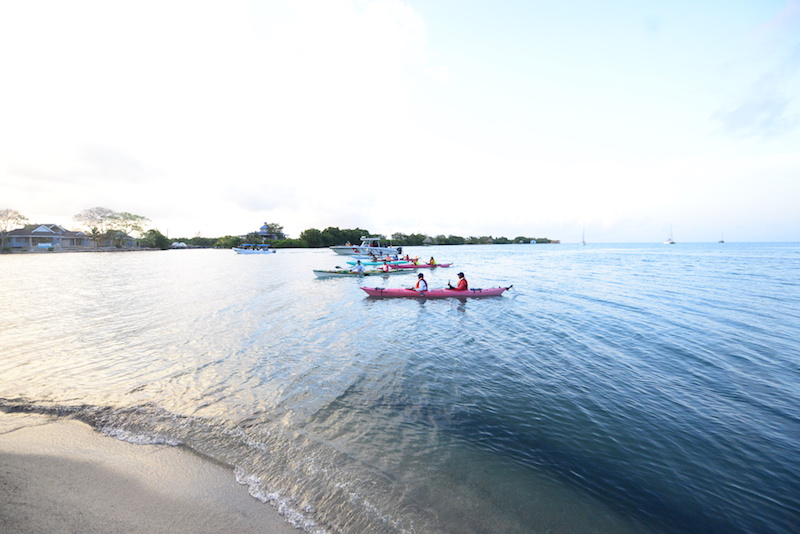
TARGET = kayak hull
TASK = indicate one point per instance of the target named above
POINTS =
(343, 273)
(399, 292)
(376, 262)
(420, 266)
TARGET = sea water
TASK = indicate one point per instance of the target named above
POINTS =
(613, 389)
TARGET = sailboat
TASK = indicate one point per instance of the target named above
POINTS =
(721, 239)
(669, 240)
(583, 238)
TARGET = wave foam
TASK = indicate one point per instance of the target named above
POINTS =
(138, 439)
(294, 517)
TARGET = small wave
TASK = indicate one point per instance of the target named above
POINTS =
(294, 517)
(138, 438)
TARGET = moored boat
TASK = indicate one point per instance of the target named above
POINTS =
(370, 246)
(669, 240)
(249, 248)
(400, 292)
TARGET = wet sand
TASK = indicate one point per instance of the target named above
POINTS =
(63, 477)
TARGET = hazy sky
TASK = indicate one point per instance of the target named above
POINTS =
(503, 118)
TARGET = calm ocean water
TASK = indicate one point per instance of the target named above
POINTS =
(614, 389)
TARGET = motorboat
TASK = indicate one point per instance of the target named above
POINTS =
(250, 248)
(370, 246)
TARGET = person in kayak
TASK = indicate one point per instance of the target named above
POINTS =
(462, 284)
(422, 285)
(358, 267)
(385, 267)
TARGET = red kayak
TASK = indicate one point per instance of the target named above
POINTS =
(433, 293)
(419, 265)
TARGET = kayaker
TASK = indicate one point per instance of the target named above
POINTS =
(432, 262)
(385, 267)
(422, 285)
(358, 267)
(462, 284)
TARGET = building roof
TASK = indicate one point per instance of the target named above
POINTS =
(44, 230)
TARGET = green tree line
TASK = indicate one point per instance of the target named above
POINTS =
(333, 236)
(118, 228)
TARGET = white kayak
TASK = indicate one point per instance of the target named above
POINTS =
(336, 273)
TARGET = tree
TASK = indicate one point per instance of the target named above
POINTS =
(229, 241)
(9, 219)
(96, 236)
(272, 229)
(334, 236)
(312, 237)
(105, 223)
(198, 241)
(155, 239)
(129, 223)
(416, 240)
(254, 237)
(100, 218)
(289, 243)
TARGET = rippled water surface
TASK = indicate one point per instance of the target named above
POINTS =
(614, 388)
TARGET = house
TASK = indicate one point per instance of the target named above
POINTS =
(267, 232)
(56, 237)
(46, 236)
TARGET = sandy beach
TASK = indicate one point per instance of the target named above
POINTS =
(62, 476)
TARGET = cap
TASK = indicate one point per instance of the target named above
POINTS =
(461, 274)
(419, 275)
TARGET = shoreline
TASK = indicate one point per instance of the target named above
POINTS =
(59, 475)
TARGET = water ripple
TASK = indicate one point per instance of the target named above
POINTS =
(613, 389)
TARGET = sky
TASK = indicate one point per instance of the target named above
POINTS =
(620, 120)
